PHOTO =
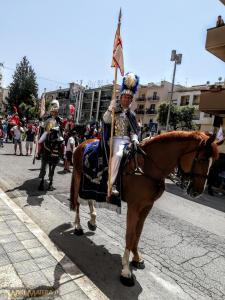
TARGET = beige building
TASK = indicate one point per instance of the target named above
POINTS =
(148, 99)
(190, 96)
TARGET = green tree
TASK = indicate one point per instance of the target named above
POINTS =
(180, 117)
(24, 89)
(174, 115)
(187, 113)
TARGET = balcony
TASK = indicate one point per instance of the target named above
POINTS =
(154, 98)
(213, 101)
(150, 111)
(141, 98)
(139, 111)
(215, 42)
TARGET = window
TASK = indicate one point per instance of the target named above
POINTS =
(141, 106)
(184, 100)
(196, 100)
(206, 115)
(196, 115)
(154, 96)
(152, 107)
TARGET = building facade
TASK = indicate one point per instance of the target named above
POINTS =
(90, 103)
(212, 101)
(190, 96)
(67, 96)
(148, 99)
(3, 102)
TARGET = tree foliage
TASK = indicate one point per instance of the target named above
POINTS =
(180, 117)
(24, 89)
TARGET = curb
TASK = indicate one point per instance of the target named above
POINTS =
(84, 283)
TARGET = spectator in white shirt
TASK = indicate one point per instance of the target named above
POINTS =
(70, 147)
(17, 134)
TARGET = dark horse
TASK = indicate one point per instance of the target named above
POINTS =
(50, 155)
(190, 150)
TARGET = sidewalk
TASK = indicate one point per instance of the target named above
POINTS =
(31, 267)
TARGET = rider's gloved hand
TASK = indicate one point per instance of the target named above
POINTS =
(112, 105)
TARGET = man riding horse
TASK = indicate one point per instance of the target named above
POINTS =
(126, 128)
(50, 144)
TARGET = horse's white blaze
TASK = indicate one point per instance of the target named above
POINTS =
(125, 262)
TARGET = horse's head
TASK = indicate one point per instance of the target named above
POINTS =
(195, 165)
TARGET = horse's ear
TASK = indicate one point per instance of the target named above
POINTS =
(210, 140)
(219, 143)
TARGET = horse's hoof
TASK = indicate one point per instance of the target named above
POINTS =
(41, 187)
(50, 188)
(138, 264)
(91, 227)
(127, 281)
(78, 231)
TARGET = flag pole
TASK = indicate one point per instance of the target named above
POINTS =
(113, 118)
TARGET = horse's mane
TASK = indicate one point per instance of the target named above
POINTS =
(180, 136)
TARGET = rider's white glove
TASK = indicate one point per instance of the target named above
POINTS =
(112, 105)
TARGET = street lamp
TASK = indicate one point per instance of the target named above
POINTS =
(177, 58)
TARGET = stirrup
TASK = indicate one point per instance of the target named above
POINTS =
(138, 171)
(114, 191)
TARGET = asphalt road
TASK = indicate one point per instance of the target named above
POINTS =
(183, 242)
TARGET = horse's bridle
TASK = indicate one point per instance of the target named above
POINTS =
(188, 175)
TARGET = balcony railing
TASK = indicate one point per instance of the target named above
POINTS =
(150, 111)
(139, 111)
(141, 98)
(155, 98)
(212, 101)
(215, 42)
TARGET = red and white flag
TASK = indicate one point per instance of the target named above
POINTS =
(42, 105)
(117, 59)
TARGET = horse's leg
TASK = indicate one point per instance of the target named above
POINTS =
(74, 204)
(137, 261)
(78, 228)
(42, 174)
(51, 175)
(92, 223)
(132, 220)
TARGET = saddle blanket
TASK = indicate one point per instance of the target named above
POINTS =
(95, 177)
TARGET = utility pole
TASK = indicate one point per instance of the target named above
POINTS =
(177, 58)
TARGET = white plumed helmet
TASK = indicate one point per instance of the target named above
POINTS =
(54, 105)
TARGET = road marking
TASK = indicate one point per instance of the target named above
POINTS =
(84, 283)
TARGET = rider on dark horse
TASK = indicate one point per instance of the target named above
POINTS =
(126, 127)
(50, 144)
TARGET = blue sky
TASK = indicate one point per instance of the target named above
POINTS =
(72, 40)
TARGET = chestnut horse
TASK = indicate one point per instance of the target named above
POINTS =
(190, 150)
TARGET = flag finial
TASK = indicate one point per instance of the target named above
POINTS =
(120, 16)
